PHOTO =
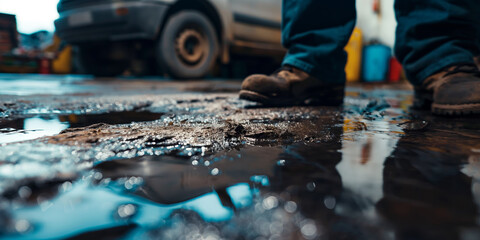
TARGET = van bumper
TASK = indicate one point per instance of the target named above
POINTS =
(111, 22)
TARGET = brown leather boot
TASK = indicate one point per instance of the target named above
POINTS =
(290, 86)
(454, 91)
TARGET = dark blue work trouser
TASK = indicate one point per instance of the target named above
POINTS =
(431, 35)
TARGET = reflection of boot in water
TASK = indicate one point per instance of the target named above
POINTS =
(426, 196)
(309, 178)
(309, 172)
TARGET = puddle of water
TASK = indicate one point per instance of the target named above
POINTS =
(297, 196)
(185, 199)
(39, 126)
(32, 128)
(30, 84)
(386, 173)
(297, 191)
(76, 121)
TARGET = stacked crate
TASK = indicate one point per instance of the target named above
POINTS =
(8, 33)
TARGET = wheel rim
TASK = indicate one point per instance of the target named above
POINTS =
(191, 46)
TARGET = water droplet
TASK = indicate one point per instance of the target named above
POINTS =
(329, 202)
(281, 162)
(211, 236)
(128, 185)
(22, 226)
(24, 192)
(133, 182)
(126, 210)
(206, 163)
(270, 203)
(311, 186)
(275, 228)
(308, 229)
(105, 181)
(66, 186)
(194, 162)
(136, 180)
(215, 172)
(98, 175)
(290, 207)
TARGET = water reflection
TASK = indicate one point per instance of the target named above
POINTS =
(32, 128)
(39, 126)
(30, 84)
(426, 194)
(310, 179)
(363, 155)
(374, 178)
(234, 187)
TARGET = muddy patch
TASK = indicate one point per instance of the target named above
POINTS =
(213, 135)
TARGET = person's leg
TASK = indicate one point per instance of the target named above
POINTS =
(315, 33)
(435, 34)
(477, 57)
(437, 41)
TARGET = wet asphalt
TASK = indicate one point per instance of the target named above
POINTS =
(126, 158)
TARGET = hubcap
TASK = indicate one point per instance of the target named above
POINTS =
(191, 46)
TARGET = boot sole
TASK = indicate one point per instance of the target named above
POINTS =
(260, 98)
(334, 97)
(422, 100)
(456, 109)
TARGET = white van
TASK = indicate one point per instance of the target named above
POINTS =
(183, 37)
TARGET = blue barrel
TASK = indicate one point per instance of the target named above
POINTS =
(376, 59)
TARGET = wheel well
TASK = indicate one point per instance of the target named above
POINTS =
(201, 6)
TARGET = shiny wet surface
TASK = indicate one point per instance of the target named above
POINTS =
(380, 171)
(37, 126)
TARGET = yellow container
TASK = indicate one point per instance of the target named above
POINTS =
(354, 51)
(63, 63)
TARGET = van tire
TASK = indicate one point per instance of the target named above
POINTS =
(188, 46)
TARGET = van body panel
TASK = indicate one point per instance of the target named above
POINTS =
(244, 23)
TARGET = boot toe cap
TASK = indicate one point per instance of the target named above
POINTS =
(265, 85)
(458, 91)
(253, 82)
